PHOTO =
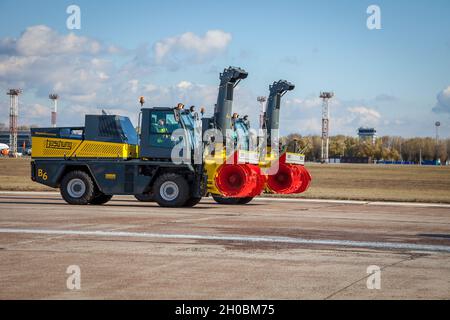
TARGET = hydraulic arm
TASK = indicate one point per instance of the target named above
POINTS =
(227, 176)
(286, 171)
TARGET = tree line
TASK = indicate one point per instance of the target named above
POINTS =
(383, 148)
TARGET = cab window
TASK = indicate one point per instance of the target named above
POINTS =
(162, 125)
(163, 122)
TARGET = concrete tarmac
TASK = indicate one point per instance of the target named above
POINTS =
(268, 249)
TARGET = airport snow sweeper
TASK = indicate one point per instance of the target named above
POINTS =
(107, 157)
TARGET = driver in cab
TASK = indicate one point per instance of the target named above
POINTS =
(162, 128)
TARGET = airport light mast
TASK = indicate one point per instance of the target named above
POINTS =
(54, 97)
(262, 100)
(325, 96)
(13, 115)
(437, 125)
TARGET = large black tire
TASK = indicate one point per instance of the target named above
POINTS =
(77, 188)
(145, 197)
(171, 190)
(191, 202)
(226, 201)
(100, 198)
(231, 201)
(245, 200)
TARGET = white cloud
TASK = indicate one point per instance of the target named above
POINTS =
(303, 115)
(191, 47)
(79, 69)
(363, 116)
(184, 85)
(443, 101)
(301, 125)
(37, 110)
(307, 103)
(42, 41)
(133, 85)
(43, 60)
(7, 46)
(186, 92)
(102, 75)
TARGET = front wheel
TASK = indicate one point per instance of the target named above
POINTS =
(191, 202)
(77, 188)
(100, 199)
(171, 190)
(144, 197)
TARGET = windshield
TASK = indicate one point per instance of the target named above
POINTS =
(242, 135)
(191, 125)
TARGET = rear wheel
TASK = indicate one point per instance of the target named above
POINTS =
(171, 190)
(245, 200)
(100, 198)
(144, 197)
(227, 201)
(231, 201)
(77, 188)
(191, 202)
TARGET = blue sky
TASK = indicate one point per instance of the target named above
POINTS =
(396, 79)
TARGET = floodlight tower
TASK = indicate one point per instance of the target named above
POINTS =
(262, 100)
(13, 114)
(54, 97)
(325, 96)
(437, 125)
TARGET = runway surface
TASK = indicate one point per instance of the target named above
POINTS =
(271, 248)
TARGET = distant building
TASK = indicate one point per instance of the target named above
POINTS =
(22, 136)
(369, 134)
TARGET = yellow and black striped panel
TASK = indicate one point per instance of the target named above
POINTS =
(45, 147)
(100, 149)
(55, 148)
(97, 149)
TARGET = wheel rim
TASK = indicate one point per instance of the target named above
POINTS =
(169, 191)
(76, 188)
